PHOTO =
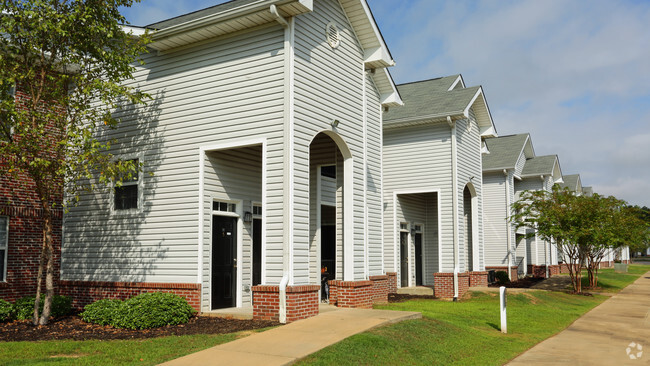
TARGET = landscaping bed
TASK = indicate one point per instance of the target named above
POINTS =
(404, 297)
(74, 328)
(525, 282)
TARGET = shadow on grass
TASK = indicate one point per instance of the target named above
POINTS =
(494, 326)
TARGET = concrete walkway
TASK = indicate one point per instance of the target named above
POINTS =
(603, 335)
(289, 343)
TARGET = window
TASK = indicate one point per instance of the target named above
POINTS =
(328, 171)
(4, 239)
(126, 196)
(403, 226)
(257, 210)
(224, 206)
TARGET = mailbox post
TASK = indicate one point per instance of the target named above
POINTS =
(502, 306)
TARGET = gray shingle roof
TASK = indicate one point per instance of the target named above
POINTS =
(539, 165)
(504, 151)
(200, 13)
(430, 97)
(570, 181)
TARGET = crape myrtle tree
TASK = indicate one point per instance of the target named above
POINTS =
(583, 227)
(66, 60)
(555, 217)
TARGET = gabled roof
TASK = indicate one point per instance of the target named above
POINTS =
(572, 182)
(504, 151)
(433, 100)
(541, 165)
(237, 15)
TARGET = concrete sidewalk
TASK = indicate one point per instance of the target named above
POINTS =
(289, 343)
(607, 335)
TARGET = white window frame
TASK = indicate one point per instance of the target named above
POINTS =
(140, 183)
(5, 246)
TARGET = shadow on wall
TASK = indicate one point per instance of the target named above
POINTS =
(103, 244)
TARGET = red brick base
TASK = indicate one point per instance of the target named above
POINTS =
(302, 302)
(86, 292)
(392, 282)
(352, 294)
(606, 264)
(380, 288)
(478, 279)
(443, 284)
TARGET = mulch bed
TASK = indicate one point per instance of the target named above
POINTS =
(405, 297)
(525, 282)
(73, 328)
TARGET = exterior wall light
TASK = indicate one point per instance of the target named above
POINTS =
(335, 123)
(248, 217)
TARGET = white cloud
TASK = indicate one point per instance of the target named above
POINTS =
(574, 74)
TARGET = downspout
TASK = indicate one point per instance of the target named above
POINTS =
(454, 202)
(508, 231)
(288, 163)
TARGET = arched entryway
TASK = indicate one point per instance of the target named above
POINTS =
(331, 220)
(470, 224)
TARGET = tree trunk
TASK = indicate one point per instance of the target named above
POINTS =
(39, 278)
(49, 273)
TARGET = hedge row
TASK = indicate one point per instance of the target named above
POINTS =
(147, 310)
(23, 308)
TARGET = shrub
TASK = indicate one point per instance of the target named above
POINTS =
(153, 310)
(24, 307)
(148, 310)
(6, 311)
(102, 312)
(502, 277)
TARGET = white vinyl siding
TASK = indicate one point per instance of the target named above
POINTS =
(418, 159)
(213, 93)
(469, 171)
(329, 85)
(494, 218)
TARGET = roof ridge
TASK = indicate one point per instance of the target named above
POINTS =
(425, 80)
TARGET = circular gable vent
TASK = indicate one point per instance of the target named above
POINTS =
(333, 35)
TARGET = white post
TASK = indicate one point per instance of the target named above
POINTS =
(502, 306)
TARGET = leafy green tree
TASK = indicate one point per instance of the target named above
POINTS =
(584, 228)
(67, 60)
(554, 216)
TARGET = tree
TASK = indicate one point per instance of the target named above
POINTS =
(554, 216)
(584, 227)
(67, 59)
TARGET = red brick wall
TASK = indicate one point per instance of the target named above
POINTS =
(302, 302)
(478, 279)
(20, 203)
(606, 264)
(334, 285)
(392, 282)
(355, 294)
(86, 292)
(443, 284)
(379, 288)
(554, 270)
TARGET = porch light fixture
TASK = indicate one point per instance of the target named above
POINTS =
(335, 123)
(248, 217)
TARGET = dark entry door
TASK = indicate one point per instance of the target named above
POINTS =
(418, 259)
(224, 261)
(404, 258)
(257, 252)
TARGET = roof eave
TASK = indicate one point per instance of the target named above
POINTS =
(168, 38)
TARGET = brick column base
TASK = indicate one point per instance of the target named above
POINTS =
(606, 264)
(478, 279)
(302, 302)
(352, 294)
(554, 270)
(443, 284)
(379, 288)
(392, 282)
(86, 292)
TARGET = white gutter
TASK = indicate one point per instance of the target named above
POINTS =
(508, 239)
(288, 195)
(454, 200)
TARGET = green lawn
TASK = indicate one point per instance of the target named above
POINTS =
(610, 281)
(122, 352)
(467, 332)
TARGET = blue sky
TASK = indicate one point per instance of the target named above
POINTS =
(575, 74)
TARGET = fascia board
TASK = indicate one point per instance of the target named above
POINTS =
(389, 96)
(234, 13)
(377, 55)
(459, 79)
(375, 29)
